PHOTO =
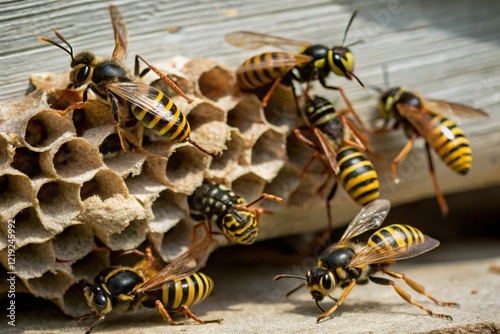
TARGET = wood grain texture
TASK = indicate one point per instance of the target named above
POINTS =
(447, 50)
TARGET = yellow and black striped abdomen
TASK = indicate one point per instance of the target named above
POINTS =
(240, 226)
(263, 69)
(166, 120)
(450, 143)
(396, 236)
(187, 291)
(357, 175)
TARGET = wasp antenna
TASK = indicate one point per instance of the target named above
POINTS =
(349, 25)
(48, 40)
(278, 277)
(357, 79)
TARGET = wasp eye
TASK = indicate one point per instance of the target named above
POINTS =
(83, 74)
(326, 282)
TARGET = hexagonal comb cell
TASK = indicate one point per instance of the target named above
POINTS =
(283, 185)
(29, 228)
(4, 152)
(32, 260)
(268, 154)
(248, 186)
(207, 126)
(167, 211)
(299, 154)
(131, 237)
(76, 160)
(217, 83)
(50, 284)
(27, 162)
(45, 129)
(175, 241)
(16, 193)
(73, 243)
(59, 204)
(105, 184)
(92, 115)
(245, 114)
(185, 169)
(223, 166)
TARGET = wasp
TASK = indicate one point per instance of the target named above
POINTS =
(341, 145)
(312, 62)
(428, 119)
(113, 84)
(347, 263)
(173, 288)
(214, 203)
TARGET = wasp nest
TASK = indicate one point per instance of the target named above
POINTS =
(69, 187)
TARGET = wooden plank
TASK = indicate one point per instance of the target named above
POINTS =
(447, 49)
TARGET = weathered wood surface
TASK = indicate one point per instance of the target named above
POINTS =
(447, 50)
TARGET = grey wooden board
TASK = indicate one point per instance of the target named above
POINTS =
(444, 49)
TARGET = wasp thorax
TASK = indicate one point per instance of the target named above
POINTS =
(320, 282)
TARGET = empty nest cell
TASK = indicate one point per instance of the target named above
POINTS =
(217, 83)
(76, 160)
(32, 260)
(51, 284)
(16, 193)
(59, 204)
(283, 185)
(29, 228)
(105, 184)
(268, 154)
(46, 128)
(281, 110)
(185, 169)
(73, 301)
(27, 162)
(4, 152)
(131, 237)
(245, 114)
(73, 243)
(167, 211)
(173, 243)
(223, 166)
(248, 186)
(208, 126)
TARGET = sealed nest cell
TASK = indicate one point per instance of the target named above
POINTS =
(69, 186)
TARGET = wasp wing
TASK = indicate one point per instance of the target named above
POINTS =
(380, 253)
(371, 216)
(253, 40)
(141, 95)
(328, 150)
(186, 264)
(121, 34)
(285, 63)
(447, 109)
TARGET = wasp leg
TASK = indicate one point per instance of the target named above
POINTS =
(406, 296)
(263, 197)
(270, 91)
(346, 100)
(165, 315)
(339, 301)
(404, 152)
(439, 195)
(94, 325)
(164, 78)
(116, 116)
(419, 288)
(191, 315)
(304, 140)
